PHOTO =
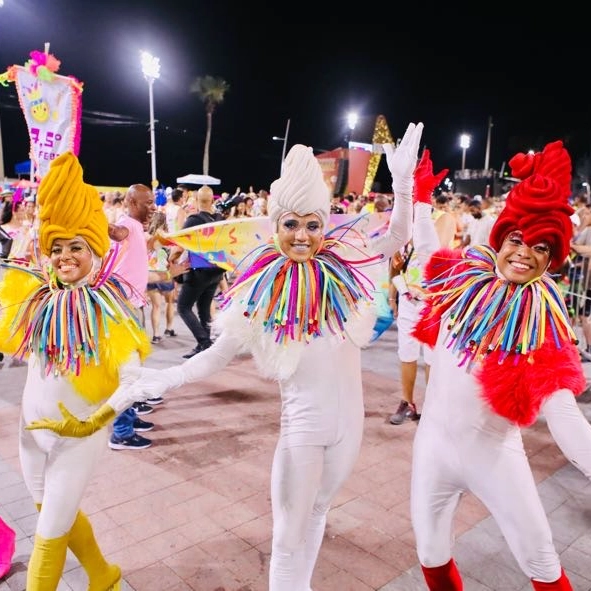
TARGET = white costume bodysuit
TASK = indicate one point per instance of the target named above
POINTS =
(57, 469)
(321, 413)
(462, 444)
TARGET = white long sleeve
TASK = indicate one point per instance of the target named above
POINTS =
(124, 396)
(424, 235)
(570, 429)
(155, 382)
(399, 228)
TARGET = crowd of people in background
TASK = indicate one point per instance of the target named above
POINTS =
(471, 216)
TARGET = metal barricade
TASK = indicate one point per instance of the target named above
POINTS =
(575, 288)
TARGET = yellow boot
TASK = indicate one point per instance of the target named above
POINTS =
(46, 563)
(102, 576)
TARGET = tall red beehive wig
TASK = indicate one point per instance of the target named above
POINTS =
(538, 205)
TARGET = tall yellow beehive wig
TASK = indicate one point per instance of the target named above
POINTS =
(68, 207)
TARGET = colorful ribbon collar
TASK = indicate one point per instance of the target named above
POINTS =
(62, 324)
(488, 313)
(301, 301)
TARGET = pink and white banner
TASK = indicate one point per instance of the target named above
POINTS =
(52, 109)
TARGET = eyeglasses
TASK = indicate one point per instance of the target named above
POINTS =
(516, 240)
(313, 227)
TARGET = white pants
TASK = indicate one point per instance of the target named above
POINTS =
(409, 348)
(461, 445)
(321, 431)
(57, 476)
(56, 470)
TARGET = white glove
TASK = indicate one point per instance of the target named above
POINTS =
(155, 382)
(402, 160)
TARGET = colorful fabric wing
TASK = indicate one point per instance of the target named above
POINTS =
(227, 242)
(223, 243)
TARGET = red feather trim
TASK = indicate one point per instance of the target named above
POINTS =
(441, 261)
(516, 388)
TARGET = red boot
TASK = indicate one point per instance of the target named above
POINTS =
(562, 584)
(444, 578)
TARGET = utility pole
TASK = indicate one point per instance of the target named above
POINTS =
(487, 155)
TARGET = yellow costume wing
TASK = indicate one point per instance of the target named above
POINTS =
(16, 287)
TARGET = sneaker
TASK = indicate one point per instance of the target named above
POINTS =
(170, 333)
(134, 442)
(200, 347)
(193, 352)
(141, 408)
(155, 401)
(156, 340)
(406, 411)
(142, 426)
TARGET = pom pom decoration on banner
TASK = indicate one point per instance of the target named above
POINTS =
(43, 65)
(52, 107)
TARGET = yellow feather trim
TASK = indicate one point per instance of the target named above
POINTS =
(95, 382)
(16, 287)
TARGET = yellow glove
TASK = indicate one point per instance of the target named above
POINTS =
(72, 426)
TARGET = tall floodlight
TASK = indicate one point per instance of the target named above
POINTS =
(465, 140)
(352, 119)
(151, 72)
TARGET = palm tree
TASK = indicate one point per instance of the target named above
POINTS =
(211, 91)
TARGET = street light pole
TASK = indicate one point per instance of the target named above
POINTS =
(284, 140)
(151, 71)
(352, 119)
(487, 155)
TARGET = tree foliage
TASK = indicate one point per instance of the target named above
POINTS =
(211, 90)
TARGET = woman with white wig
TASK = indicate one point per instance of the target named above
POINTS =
(304, 311)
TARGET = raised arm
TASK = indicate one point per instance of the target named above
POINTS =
(424, 234)
(402, 161)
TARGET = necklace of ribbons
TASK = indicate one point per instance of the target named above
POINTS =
(489, 313)
(305, 300)
(62, 324)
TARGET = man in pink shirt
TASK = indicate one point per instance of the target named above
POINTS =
(133, 268)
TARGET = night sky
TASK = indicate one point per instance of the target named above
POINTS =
(529, 78)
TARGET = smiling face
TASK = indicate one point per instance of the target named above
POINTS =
(519, 262)
(299, 237)
(141, 204)
(71, 259)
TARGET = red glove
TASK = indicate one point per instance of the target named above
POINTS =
(425, 181)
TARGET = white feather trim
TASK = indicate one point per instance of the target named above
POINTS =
(279, 361)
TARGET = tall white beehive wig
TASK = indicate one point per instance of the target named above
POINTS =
(300, 188)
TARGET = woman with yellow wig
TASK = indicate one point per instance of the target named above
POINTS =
(71, 321)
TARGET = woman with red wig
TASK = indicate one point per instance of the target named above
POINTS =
(504, 352)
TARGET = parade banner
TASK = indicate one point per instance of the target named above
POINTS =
(52, 107)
